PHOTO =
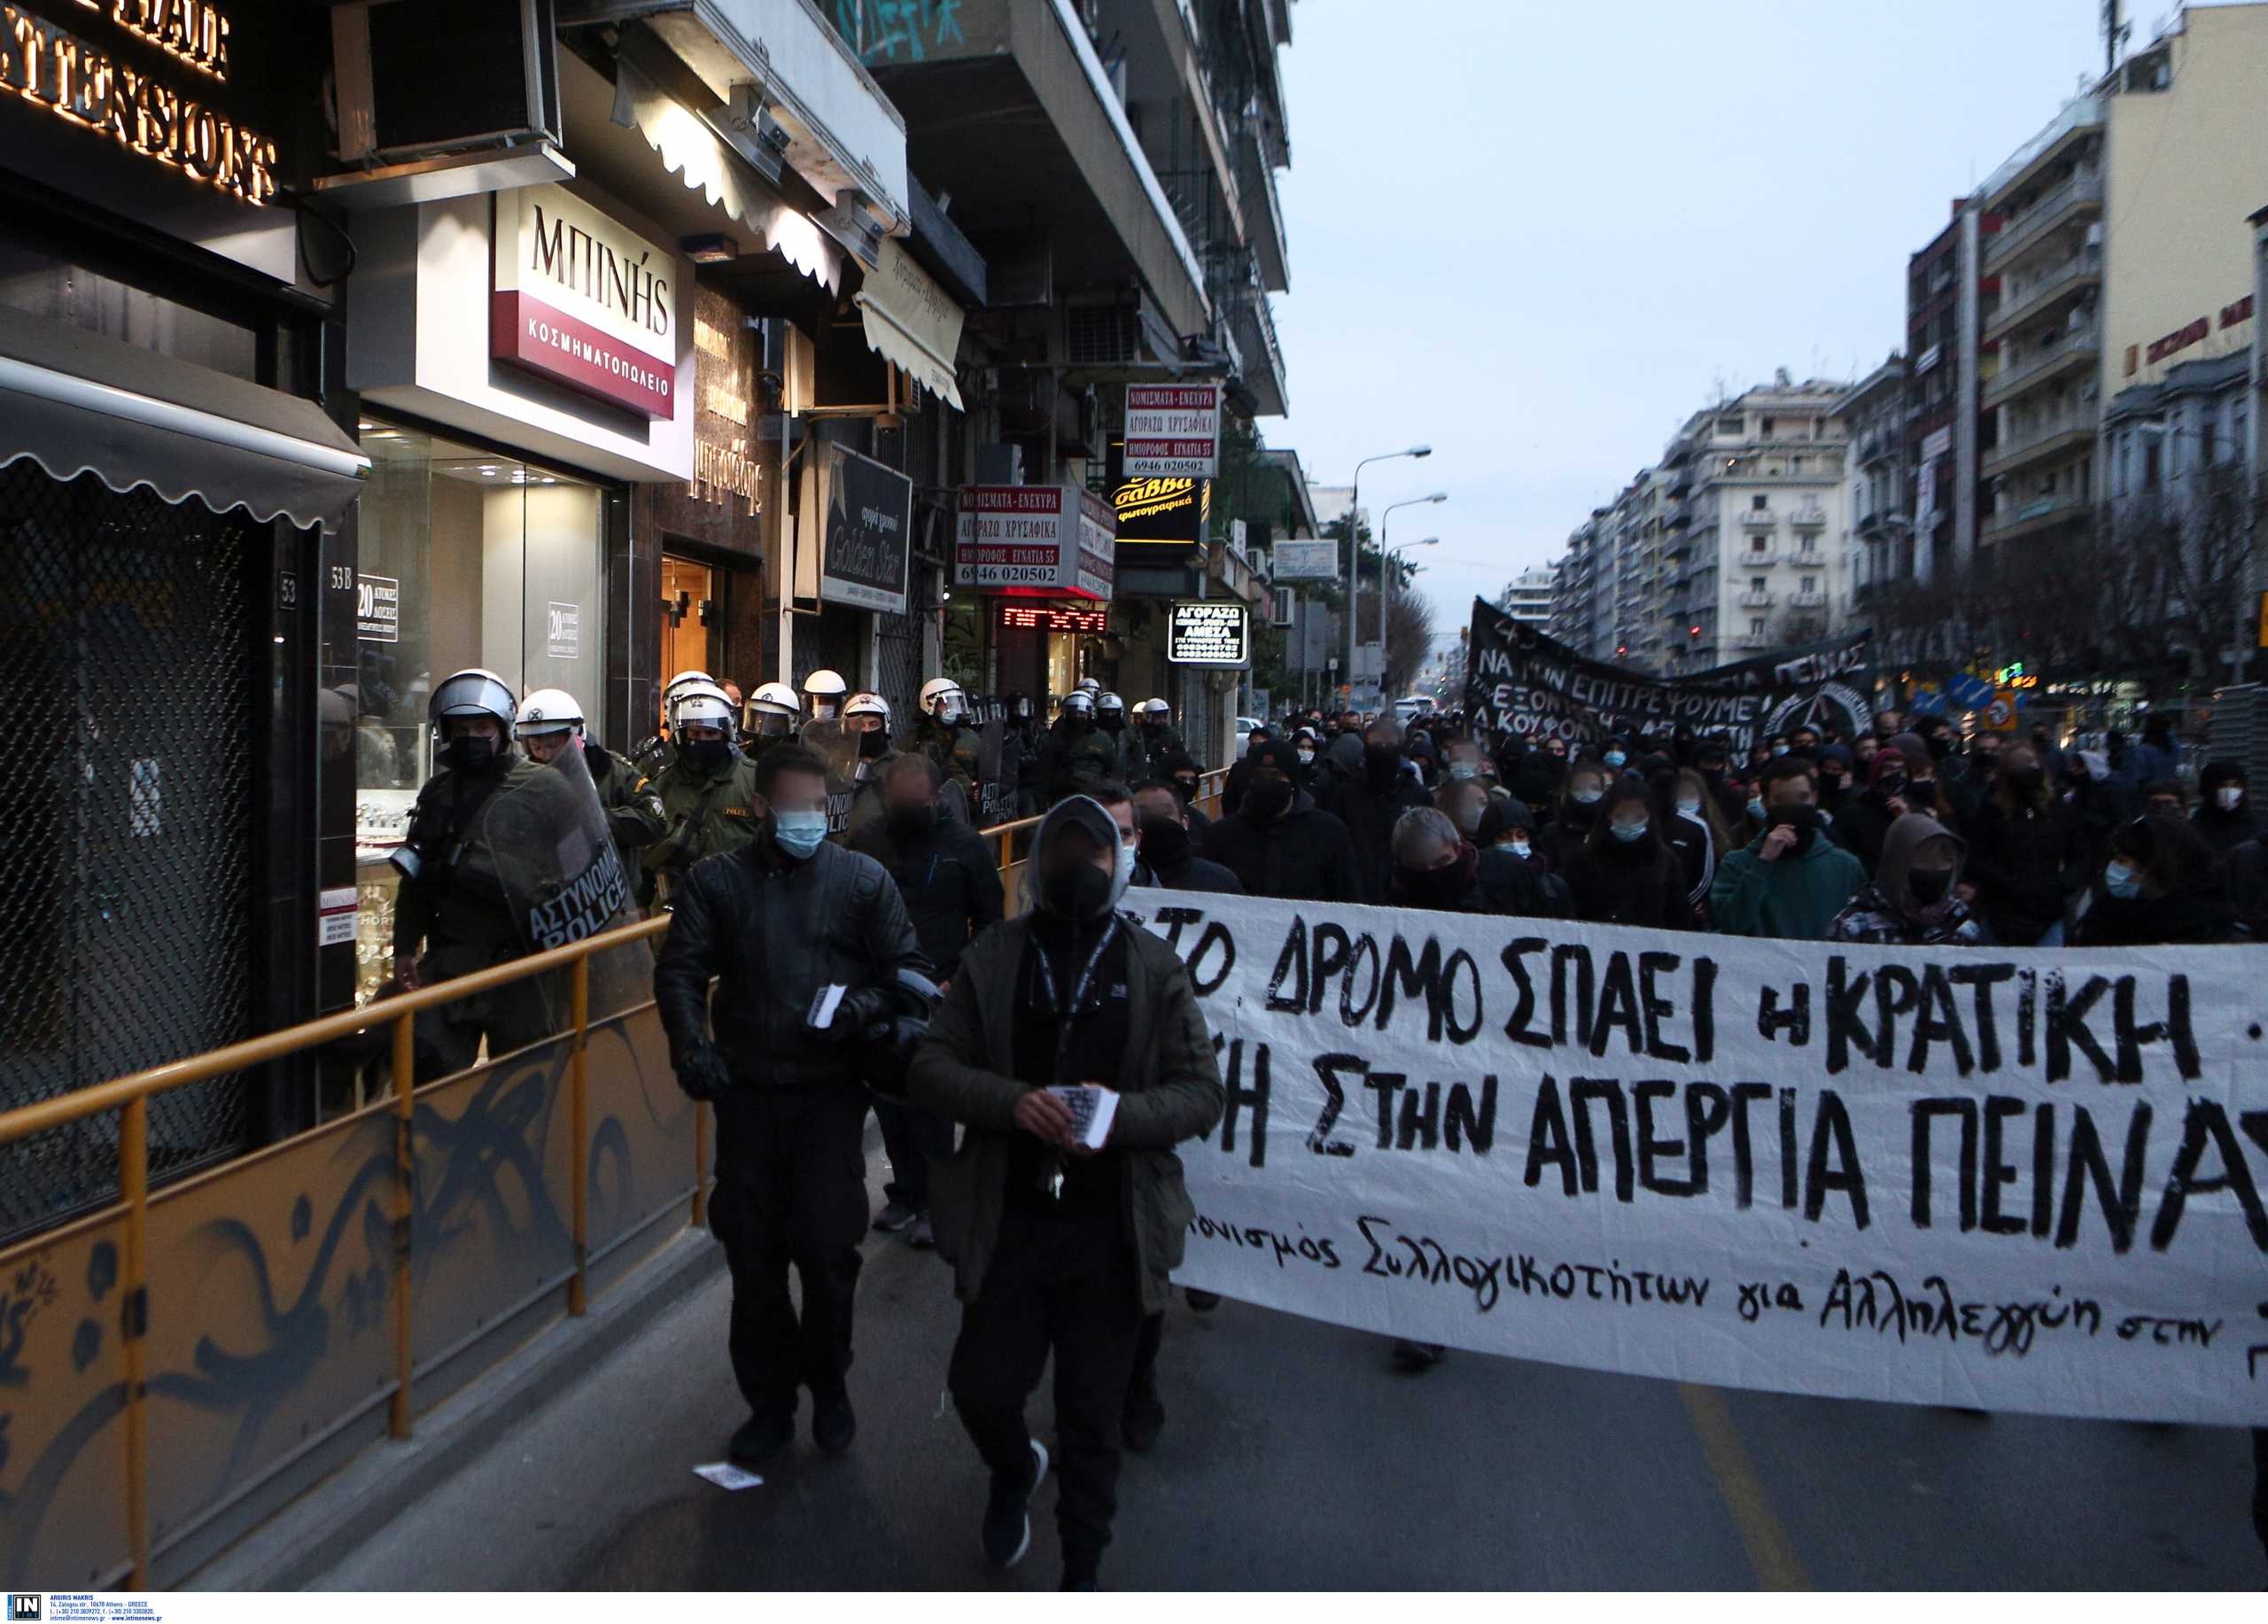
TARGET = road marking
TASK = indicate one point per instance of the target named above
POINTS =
(1770, 1552)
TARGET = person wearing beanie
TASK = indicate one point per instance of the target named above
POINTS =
(2224, 814)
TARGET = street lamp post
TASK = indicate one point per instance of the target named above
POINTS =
(1355, 543)
(1384, 520)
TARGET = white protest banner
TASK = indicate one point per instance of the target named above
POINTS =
(2016, 1180)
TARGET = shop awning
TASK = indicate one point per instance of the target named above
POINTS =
(698, 155)
(912, 322)
(76, 402)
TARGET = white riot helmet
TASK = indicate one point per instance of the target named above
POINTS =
(945, 689)
(824, 690)
(548, 710)
(1088, 685)
(1154, 710)
(867, 704)
(1110, 704)
(682, 680)
(1078, 702)
(773, 710)
(701, 704)
(473, 692)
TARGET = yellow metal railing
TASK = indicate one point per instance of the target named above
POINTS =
(129, 1096)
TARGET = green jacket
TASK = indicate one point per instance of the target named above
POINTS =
(706, 815)
(457, 907)
(1169, 1090)
(634, 809)
(1793, 896)
(1078, 764)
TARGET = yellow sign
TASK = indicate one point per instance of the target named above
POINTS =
(83, 84)
(2263, 620)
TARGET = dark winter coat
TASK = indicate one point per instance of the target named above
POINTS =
(1304, 856)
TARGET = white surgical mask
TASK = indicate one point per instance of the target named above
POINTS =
(2230, 795)
(2122, 880)
(1614, 758)
(799, 833)
(1756, 809)
(1629, 831)
(1306, 756)
(1688, 805)
(1520, 848)
(1586, 798)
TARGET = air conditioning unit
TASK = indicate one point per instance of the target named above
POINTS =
(1281, 603)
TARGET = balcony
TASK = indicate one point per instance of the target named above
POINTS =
(1807, 599)
(1809, 517)
(1754, 599)
(2032, 517)
(1808, 558)
(1758, 518)
(1756, 557)
(2075, 349)
(2042, 294)
(2060, 434)
(1253, 326)
(1749, 640)
(1876, 446)
(2076, 199)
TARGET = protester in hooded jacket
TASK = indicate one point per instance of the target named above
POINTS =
(1543, 771)
(1792, 879)
(1693, 830)
(1516, 877)
(1369, 804)
(1431, 864)
(1834, 779)
(1277, 843)
(1713, 760)
(2225, 816)
(1580, 801)
(1241, 770)
(2098, 799)
(2163, 886)
(2025, 850)
(1912, 901)
(1181, 771)
(1624, 875)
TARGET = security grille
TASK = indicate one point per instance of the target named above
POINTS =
(126, 702)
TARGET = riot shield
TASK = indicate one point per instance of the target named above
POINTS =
(545, 836)
(838, 748)
(995, 773)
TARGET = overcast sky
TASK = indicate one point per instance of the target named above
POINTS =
(1539, 236)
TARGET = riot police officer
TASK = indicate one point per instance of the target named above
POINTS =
(866, 717)
(773, 712)
(1110, 717)
(654, 753)
(1079, 754)
(708, 793)
(456, 912)
(823, 692)
(1160, 739)
(550, 720)
(943, 734)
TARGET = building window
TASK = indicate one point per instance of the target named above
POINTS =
(2121, 462)
(1757, 504)
(1764, 427)
(1755, 626)
(2150, 464)
(1797, 466)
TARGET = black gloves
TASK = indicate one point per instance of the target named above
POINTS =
(858, 1011)
(702, 1074)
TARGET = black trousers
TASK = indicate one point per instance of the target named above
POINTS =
(2260, 1486)
(791, 1189)
(914, 1139)
(1066, 1286)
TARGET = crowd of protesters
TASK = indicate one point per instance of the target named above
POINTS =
(1901, 833)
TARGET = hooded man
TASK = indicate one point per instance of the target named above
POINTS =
(1277, 843)
(2224, 815)
(1059, 1248)
(1912, 901)
(1372, 801)
(1792, 879)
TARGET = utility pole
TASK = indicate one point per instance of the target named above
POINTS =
(2114, 36)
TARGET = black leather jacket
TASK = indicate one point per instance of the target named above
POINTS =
(775, 932)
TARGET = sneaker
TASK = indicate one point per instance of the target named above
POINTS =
(1145, 1418)
(894, 1216)
(1202, 1301)
(761, 1436)
(920, 1235)
(1080, 1577)
(833, 1424)
(1007, 1514)
(1417, 1357)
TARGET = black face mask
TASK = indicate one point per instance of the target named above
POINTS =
(2025, 781)
(1187, 788)
(1268, 799)
(1111, 722)
(1382, 763)
(471, 755)
(703, 755)
(1803, 820)
(1165, 844)
(907, 822)
(1890, 784)
(1433, 887)
(1940, 746)
(1923, 794)
(873, 743)
(1713, 774)
(1928, 885)
(1078, 891)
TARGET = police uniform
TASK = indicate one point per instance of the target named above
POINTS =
(458, 907)
(953, 750)
(703, 815)
(634, 809)
(1078, 765)
(1161, 744)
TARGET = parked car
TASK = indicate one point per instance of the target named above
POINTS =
(1245, 725)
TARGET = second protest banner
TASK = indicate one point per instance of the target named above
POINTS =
(2016, 1180)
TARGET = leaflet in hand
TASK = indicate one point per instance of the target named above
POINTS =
(1092, 1108)
(824, 1005)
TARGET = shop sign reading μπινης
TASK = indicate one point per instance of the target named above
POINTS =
(578, 297)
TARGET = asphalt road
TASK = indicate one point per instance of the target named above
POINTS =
(1294, 1458)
